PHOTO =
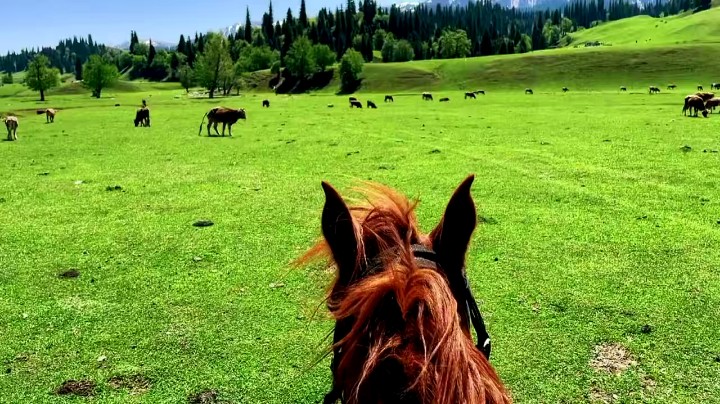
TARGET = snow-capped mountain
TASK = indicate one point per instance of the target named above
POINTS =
(157, 44)
(233, 29)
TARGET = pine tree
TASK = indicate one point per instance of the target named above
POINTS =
(303, 19)
(181, 45)
(78, 69)
(248, 26)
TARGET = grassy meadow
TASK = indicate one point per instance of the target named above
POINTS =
(601, 227)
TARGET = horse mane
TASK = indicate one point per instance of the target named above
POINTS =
(404, 319)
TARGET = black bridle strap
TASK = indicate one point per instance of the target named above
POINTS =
(463, 295)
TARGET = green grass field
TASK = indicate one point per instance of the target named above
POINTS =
(602, 228)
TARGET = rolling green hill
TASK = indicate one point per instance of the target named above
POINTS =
(641, 31)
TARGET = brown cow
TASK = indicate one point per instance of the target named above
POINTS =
(142, 117)
(11, 123)
(705, 96)
(226, 116)
(694, 103)
(712, 103)
(50, 115)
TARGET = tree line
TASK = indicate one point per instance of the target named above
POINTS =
(296, 46)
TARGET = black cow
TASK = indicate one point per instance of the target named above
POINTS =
(389, 98)
(371, 104)
(356, 104)
(528, 91)
(444, 99)
(142, 117)
(266, 103)
(470, 95)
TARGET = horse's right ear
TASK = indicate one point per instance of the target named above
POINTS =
(338, 228)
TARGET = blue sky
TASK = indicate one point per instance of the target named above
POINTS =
(45, 22)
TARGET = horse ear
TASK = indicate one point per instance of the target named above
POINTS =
(338, 229)
(451, 237)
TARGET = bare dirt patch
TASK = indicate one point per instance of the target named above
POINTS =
(84, 388)
(598, 396)
(136, 384)
(612, 358)
(206, 397)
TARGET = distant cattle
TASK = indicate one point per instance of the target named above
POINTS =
(694, 104)
(330, 105)
(565, 89)
(50, 115)
(479, 92)
(528, 91)
(226, 116)
(371, 104)
(266, 103)
(470, 95)
(142, 117)
(11, 124)
(355, 104)
(623, 88)
(700, 88)
(671, 87)
(427, 96)
(653, 90)
(389, 98)
(715, 86)
(351, 99)
(444, 99)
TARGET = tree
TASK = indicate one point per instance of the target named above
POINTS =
(525, 44)
(299, 60)
(351, 66)
(486, 47)
(454, 44)
(78, 69)
(151, 53)
(324, 56)
(99, 74)
(303, 19)
(7, 78)
(181, 44)
(551, 33)
(40, 76)
(379, 39)
(388, 48)
(248, 26)
(187, 77)
(403, 51)
(257, 58)
(215, 65)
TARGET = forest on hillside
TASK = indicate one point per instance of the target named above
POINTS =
(300, 45)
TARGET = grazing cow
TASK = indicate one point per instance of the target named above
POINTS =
(11, 123)
(565, 89)
(50, 115)
(470, 95)
(355, 104)
(331, 105)
(226, 116)
(444, 99)
(654, 90)
(142, 117)
(705, 96)
(715, 86)
(266, 103)
(371, 104)
(389, 98)
(671, 87)
(623, 88)
(700, 88)
(351, 99)
(528, 91)
(427, 96)
(479, 92)
(712, 103)
(694, 104)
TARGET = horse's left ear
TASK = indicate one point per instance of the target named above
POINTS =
(451, 237)
(338, 228)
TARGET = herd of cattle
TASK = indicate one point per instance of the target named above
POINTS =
(700, 102)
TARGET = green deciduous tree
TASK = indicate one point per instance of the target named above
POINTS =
(454, 44)
(186, 75)
(299, 60)
(403, 51)
(99, 74)
(214, 66)
(351, 66)
(324, 56)
(40, 76)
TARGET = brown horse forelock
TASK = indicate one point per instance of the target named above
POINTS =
(402, 316)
